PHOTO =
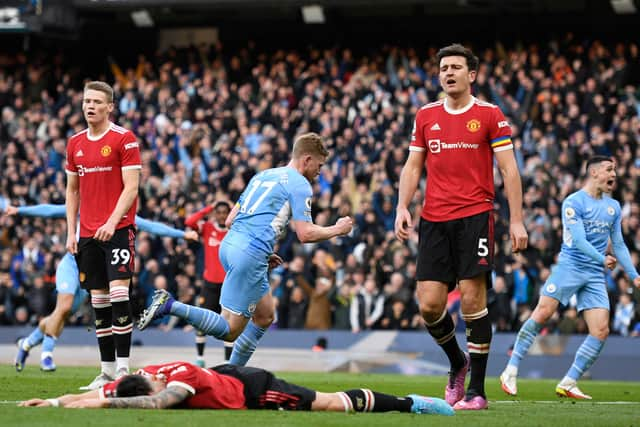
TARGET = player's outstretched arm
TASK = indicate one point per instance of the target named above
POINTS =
(43, 211)
(163, 230)
(64, 400)
(167, 398)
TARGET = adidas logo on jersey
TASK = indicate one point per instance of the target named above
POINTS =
(79, 153)
(435, 127)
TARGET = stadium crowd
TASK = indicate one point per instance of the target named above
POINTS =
(208, 119)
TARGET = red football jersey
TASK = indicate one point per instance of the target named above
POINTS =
(459, 147)
(208, 389)
(98, 162)
(212, 236)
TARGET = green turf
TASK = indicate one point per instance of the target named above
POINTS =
(503, 412)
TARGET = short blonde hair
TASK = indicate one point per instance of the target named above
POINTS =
(309, 144)
(101, 87)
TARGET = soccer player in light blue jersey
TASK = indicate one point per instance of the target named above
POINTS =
(272, 199)
(589, 218)
(70, 294)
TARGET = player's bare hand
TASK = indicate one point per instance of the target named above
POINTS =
(88, 403)
(34, 402)
(344, 225)
(519, 237)
(403, 223)
(274, 261)
(191, 235)
(10, 210)
(72, 243)
(610, 262)
(636, 282)
(105, 232)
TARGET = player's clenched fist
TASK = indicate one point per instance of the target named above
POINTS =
(344, 225)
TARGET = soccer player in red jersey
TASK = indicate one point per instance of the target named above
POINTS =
(212, 232)
(455, 140)
(183, 385)
(103, 172)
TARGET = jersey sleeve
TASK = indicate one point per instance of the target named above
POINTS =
(70, 165)
(417, 136)
(300, 199)
(499, 131)
(620, 248)
(184, 376)
(130, 152)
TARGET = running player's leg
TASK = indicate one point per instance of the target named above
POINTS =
(594, 303)
(246, 344)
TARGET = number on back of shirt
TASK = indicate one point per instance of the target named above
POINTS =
(262, 188)
(120, 256)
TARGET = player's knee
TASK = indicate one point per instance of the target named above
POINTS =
(264, 320)
(431, 310)
(601, 332)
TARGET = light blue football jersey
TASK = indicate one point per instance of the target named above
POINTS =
(272, 198)
(597, 217)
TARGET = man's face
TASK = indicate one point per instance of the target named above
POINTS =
(455, 77)
(605, 176)
(312, 165)
(220, 214)
(95, 107)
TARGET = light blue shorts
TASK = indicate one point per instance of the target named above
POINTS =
(588, 285)
(68, 281)
(246, 280)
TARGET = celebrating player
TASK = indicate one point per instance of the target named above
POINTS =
(70, 294)
(183, 385)
(589, 219)
(272, 198)
(456, 140)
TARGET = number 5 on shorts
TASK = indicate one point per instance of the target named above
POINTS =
(483, 249)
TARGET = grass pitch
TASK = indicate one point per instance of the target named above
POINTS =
(614, 404)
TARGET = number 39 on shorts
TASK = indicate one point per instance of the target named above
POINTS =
(120, 256)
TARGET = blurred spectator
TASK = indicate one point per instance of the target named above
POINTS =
(623, 314)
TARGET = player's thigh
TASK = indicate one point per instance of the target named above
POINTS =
(474, 246)
(245, 283)
(563, 282)
(435, 254)
(597, 320)
(92, 272)
(119, 254)
(210, 296)
(594, 294)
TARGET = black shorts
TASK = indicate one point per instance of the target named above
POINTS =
(210, 296)
(262, 390)
(102, 262)
(457, 249)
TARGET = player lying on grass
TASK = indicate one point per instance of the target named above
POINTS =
(184, 385)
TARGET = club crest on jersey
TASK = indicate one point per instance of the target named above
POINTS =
(473, 125)
(611, 211)
(551, 288)
(105, 151)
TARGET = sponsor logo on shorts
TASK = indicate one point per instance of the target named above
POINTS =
(551, 288)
